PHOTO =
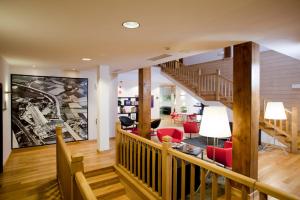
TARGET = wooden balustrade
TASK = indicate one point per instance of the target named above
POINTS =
(159, 168)
(203, 84)
(288, 127)
(69, 169)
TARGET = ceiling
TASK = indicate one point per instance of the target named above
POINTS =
(59, 33)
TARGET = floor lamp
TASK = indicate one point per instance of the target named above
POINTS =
(275, 111)
(215, 124)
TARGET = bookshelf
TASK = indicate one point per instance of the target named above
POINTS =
(128, 106)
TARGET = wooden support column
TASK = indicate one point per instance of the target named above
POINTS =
(227, 52)
(144, 116)
(246, 107)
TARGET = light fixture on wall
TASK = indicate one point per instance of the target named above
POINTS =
(131, 24)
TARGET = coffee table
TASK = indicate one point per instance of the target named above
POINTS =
(189, 149)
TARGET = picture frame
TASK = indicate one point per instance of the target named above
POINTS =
(37, 101)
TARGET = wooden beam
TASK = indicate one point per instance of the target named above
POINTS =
(144, 110)
(227, 52)
(246, 107)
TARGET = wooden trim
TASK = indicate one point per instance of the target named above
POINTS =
(84, 187)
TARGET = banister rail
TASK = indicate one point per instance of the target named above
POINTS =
(69, 169)
(161, 170)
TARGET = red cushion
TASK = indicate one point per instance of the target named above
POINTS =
(176, 134)
(190, 127)
(222, 155)
(228, 144)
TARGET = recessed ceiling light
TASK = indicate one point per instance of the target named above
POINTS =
(86, 59)
(131, 24)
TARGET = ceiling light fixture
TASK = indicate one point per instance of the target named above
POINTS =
(86, 59)
(131, 24)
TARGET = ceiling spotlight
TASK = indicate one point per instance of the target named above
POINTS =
(131, 24)
(86, 59)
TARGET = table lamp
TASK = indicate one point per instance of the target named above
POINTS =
(275, 111)
(215, 123)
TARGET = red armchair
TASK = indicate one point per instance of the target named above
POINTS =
(176, 134)
(191, 128)
(222, 155)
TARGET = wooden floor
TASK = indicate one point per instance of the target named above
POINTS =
(30, 173)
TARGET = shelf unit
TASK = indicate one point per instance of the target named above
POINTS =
(128, 106)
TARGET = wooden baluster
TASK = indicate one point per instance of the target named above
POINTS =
(131, 156)
(134, 157)
(159, 174)
(199, 81)
(192, 184)
(139, 160)
(183, 180)
(214, 186)
(294, 129)
(148, 165)
(118, 149)
(174, 178)
(143, 163)
(217, 84)
(263, 196)
(166, 166)
(153, 168)
(287, 128)
(227, 189)
(127, 153)
(280, 124)
(244, 192)
(203, 184)
(121, 148)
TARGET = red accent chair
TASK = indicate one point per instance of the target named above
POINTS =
(191, 128)
(177, 135)
(222, 155)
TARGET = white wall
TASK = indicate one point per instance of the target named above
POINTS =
(5, 80)
(91, 74)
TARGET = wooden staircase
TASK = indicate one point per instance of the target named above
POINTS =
(106, 184)
(215, 87)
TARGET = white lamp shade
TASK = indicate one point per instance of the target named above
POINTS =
(275, 110)
(215, 122)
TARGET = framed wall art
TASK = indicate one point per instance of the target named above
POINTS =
(37, 102)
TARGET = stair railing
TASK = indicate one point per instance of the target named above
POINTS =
(69, 168)
(158, 168)
(288, 127)
(213, 84)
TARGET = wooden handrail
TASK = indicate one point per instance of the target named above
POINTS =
(169, 157)
(84, 187)
(71, 181)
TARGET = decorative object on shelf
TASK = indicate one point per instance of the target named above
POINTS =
(36, 100)
(128, 106)
(275, 111)
(215, 124)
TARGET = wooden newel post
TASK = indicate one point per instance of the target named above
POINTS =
(58, 132)
(166, 169)
(76, 166)
(118, 140)
(218, 73)
(294, 143)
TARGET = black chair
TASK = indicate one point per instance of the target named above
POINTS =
(126, 122)
(154, 125)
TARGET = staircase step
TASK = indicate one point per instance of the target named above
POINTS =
(99, 171)
(109, 191)
(122, 197)
(103, 180)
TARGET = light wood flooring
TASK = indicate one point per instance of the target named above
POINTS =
(30, 173)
